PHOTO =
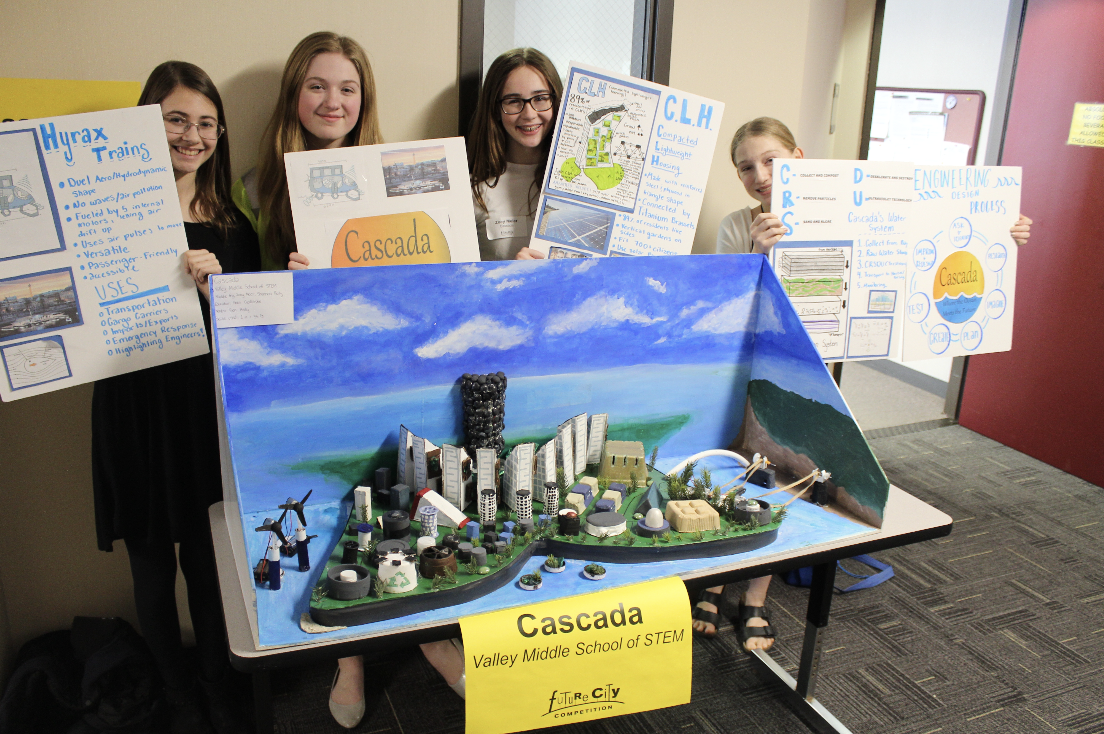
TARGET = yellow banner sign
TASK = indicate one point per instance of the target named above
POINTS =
(1087, 127)
(578, 658)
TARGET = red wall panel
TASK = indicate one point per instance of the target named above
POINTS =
(1046, 396)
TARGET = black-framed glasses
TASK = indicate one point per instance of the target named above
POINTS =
(514, 105)
(207, 129)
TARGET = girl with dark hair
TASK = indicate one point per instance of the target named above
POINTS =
(508, 150)
(327, 100)
(155, 452)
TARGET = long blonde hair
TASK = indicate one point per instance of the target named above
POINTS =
(285, 134)
(762, 127)
(487, 139)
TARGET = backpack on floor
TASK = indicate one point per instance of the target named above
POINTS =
(97, 677)
(804, 576)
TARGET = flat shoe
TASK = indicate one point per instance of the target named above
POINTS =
(347, 715)
(700, 615)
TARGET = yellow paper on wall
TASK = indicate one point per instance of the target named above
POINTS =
(30, 99)
(1087, 126)
(578, 658)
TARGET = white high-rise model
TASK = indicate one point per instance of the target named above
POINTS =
(485, 467)
(552, 500)
(524, 501)
(597, 440)
(488, 508)
(421, 471)
(565, 451)
(518, 473)
(453, 486)
(404, 449)
(579, 423)
(546, 464)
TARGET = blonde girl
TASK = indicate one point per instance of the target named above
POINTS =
(327, 100)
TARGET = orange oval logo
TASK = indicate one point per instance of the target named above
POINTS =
(410, 238)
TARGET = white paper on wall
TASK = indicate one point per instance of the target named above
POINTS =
(627, 169)
(389, 204)
(92, 280)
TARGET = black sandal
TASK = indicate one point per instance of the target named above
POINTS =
(701, 615)
(743, 631)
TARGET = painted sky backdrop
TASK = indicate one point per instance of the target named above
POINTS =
(372, 331)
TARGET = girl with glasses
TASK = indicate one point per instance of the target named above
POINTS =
(508, 150)
(155, 452)
(327, 100)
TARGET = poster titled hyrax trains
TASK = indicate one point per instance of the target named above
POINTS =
(92, 282)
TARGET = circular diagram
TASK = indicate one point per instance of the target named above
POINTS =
(958, 287)
(939, 339)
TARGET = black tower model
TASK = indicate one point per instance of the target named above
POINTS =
(484, 399)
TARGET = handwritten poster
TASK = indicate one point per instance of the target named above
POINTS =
(390, 204)
(886, 259)
(92, 282)
(842, 261)
(628, 168)
(962, 263)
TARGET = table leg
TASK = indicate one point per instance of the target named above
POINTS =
(262, 702)
(816, 620)
(800, 693)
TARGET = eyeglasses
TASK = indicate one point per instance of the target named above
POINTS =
(207, 129)
(514, 105)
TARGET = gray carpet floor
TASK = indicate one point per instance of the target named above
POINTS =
(997, 628)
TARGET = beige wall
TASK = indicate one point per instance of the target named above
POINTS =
(243, 45)
(778, 59)
(45, 477)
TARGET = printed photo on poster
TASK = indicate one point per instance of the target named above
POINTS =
(36, 362)
(602, 139)
(38, 302)
(415, 170)
(28, 220)
(575, 224)
(560, 253)
(332, 181)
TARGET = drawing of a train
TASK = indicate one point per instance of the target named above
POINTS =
(332, 180)
(14, 197)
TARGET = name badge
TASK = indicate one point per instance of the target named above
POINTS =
(499, 228)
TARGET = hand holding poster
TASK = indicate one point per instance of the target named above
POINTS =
(390, 204)
(627, 170)
(92, 281)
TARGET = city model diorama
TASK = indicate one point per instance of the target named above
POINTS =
(451, 423)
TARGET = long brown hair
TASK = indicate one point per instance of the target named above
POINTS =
(762, 127)
(211, 203)
(487, 138)
(285, 134)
